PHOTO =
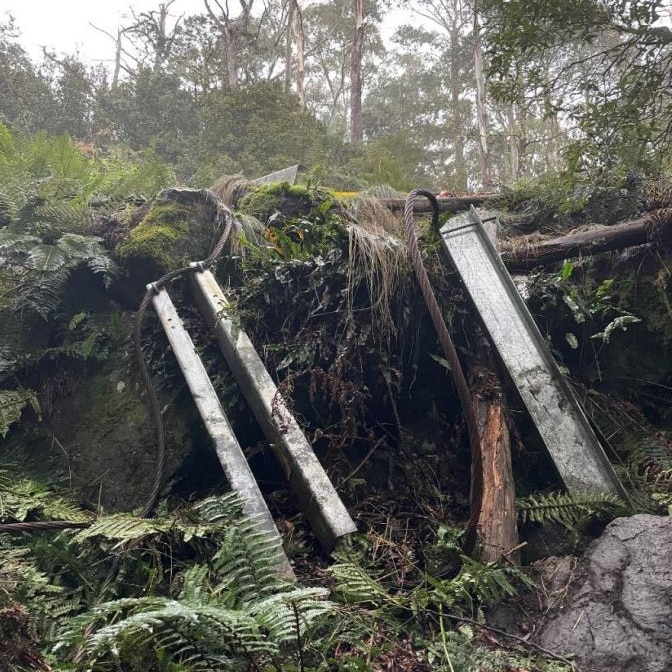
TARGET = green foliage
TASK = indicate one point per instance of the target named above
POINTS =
(24, 499)
(460, 650)
(12, 403)
(586, 313)
(233, 611)
(568, 510)
(55, 171)
(124, 173)
(261, 128)
(440, 615)
(557, 202)
(390, 160)
(601, 65)
(41, 266)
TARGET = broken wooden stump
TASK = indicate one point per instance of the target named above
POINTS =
(497, 528)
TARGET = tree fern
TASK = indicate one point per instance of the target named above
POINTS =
(563, 508)
(65, 216)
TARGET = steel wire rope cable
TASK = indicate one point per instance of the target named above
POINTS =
(450, 352)
(224, 219)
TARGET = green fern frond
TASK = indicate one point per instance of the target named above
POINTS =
(12, 403)
(231, 612)
(21, 581)
(188, 631)
(125, 528)
(198, 632)
(13, 345)
(278, 613)
(195, 584)
(476, 583)
(43, 268)
(222, 509)
(651, 455)
(21, 499)
(246, 562)
(563, 508)
(358, 586)
(65, 216)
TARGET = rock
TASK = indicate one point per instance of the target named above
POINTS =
(618, 615)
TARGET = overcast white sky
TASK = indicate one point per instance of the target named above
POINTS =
(63, 25)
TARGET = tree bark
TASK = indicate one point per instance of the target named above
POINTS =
(481, 112)
(456, 112)
(297, 31)
(513, 133)
(452, 205)
(656, 226)
(231, 29)
(117, 60)
(288, 45)
(497, 528)
(357, 56)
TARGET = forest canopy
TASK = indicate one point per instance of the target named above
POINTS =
(575, 84)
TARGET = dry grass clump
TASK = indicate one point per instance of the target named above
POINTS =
(230, 189)
(378, 255)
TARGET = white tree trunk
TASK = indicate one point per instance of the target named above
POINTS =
(297, 31)
(486, 166)
(356, 121)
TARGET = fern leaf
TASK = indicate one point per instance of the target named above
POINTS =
(563, 508)
(124, 527)
(12, 403)
(277, 614)
(357, 586)
(23, 498)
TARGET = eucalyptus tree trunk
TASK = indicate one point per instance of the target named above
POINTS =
(230, 28)
(117, 59)
(288, 45)
(457, 129)
(513, 134)
(163, 40)
(297, 32)
(481, 112)
(357, 56)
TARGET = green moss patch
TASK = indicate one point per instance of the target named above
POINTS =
(290, 200)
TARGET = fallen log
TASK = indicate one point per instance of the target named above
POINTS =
(656, 226)
(452, 204)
